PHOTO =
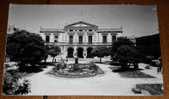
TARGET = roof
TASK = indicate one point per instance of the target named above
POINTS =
(80, 24)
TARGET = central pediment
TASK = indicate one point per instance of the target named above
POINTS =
(80, 24)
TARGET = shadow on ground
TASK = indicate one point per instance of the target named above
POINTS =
(153, 89)
(36, 68)
(130, 73)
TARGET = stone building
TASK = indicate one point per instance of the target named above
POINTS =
(79, 38)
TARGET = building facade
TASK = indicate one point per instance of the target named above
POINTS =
(79, 38)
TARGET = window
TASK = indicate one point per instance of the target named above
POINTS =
(113, 38)
(80, 30)
(56, 38)
(70, 39)
(70, 30)
(90, 39)
(90, 30)
(104, 39)
(80, 39)
(47, 38)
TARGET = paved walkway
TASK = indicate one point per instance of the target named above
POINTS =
(106, 84)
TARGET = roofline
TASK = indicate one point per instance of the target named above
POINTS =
(80, 22)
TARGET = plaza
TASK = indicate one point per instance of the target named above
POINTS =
(109, 83)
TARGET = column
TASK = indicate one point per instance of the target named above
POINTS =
(75, 38)
(85, 38)
(52, 37)
(64, 51)
(84, 52)
(75, 51)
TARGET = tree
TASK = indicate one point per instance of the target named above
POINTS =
(124, 51)
(25, 48)
(54, 51)
(101, 52)
(126, 54)
(120, 41)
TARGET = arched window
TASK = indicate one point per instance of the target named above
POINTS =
(89, 51)
(80, 52)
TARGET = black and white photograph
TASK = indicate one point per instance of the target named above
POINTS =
(83, 50)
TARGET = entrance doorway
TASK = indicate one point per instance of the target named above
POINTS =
(70, 52)
(89, 52)
(80, 52)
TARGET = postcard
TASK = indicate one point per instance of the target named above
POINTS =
(87, 50)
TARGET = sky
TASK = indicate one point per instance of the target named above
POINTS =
(136, 20)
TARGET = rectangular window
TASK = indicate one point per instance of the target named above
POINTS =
(47, 38)
(104, 39)
(70, 30)
(90, 39)
(70, 39)
(80, 39)
(56, 39)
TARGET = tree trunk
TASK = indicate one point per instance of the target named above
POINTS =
(100, 59)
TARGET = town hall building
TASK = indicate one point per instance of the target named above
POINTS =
(79, 38)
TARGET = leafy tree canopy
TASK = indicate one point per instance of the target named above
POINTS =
(121, 41)
(25, 47)
(101, 52)
(124, 51)
(127, 53)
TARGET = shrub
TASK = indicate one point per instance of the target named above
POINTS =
(14, 84)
